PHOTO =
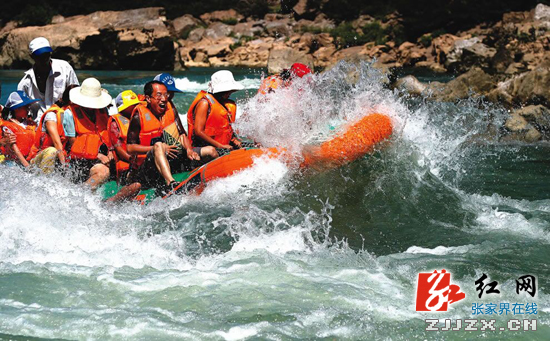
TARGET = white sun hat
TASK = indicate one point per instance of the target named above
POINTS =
(90, 95)
(223, 81)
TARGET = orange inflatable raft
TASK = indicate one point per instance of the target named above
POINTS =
(352, 143)
(355, 141)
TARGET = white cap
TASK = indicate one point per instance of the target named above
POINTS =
(39, 45)
(90, 95)
(223, 81)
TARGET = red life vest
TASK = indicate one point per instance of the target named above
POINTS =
(123, 124)
(89, 135)
(151, 127)
(24, 138)
(43, 139)
(218, 122)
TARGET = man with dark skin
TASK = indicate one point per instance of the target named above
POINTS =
(160, 157)
(47, 79)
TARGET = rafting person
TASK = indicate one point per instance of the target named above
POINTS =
(206, 153)
(118, 125)
(18, 128)
(47, 79)
(51, 134)
(85, 125)
(210, 115)
(284, 78)
(153, 160)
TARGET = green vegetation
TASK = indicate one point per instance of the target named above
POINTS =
(253, 8)
(36, 15)
(241, 42)
(187, 31)
(426, 39)
(312, 29)
(230, 21)
(346, 36)
(527, 37)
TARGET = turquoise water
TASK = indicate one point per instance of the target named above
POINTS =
(278, 253)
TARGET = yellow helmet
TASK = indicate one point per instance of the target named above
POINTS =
(126, 99)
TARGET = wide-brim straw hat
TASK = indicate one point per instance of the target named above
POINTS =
(90, 95)
(222, 81)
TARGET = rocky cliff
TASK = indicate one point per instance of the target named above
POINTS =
(134, 39)
(507, 62)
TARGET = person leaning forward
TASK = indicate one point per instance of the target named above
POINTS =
(47, 79)
(283, 79)
(153, 160)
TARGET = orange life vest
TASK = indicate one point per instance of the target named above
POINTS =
(24, 138)
(43, 139)
(218, 122)
(269, 84)
(89, 135)
(123, 124)
(151, 127)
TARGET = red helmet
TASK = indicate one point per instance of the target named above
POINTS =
(299, 69)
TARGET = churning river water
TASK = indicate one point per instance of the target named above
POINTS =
(279, 253)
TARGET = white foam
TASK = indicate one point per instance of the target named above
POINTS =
(439, 250)
(239, 333)
(279, 242)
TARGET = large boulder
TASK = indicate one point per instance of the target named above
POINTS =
(323, 56)
(196, 34)
(183, 25)
(217, 30)
(528, 124)
(474, 83)
(135, 39)
(541, 12)
(442, 46)
(517, 128)
(351, 54)
(411, 85)
(223, 16)
(469, 52)
(254, 53)
(282, 57)
(248, 29)
(409, 54)
(279, 28)
(538, 116)
(321, 24)
(532, 87)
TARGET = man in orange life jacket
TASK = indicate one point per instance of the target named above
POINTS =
(85, 125)
(210, 116)
(283, 79)
(206, 153)
(153, 160)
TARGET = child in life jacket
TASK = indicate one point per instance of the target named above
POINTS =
(17, 128)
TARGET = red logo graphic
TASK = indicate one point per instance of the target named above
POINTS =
(435, 291)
